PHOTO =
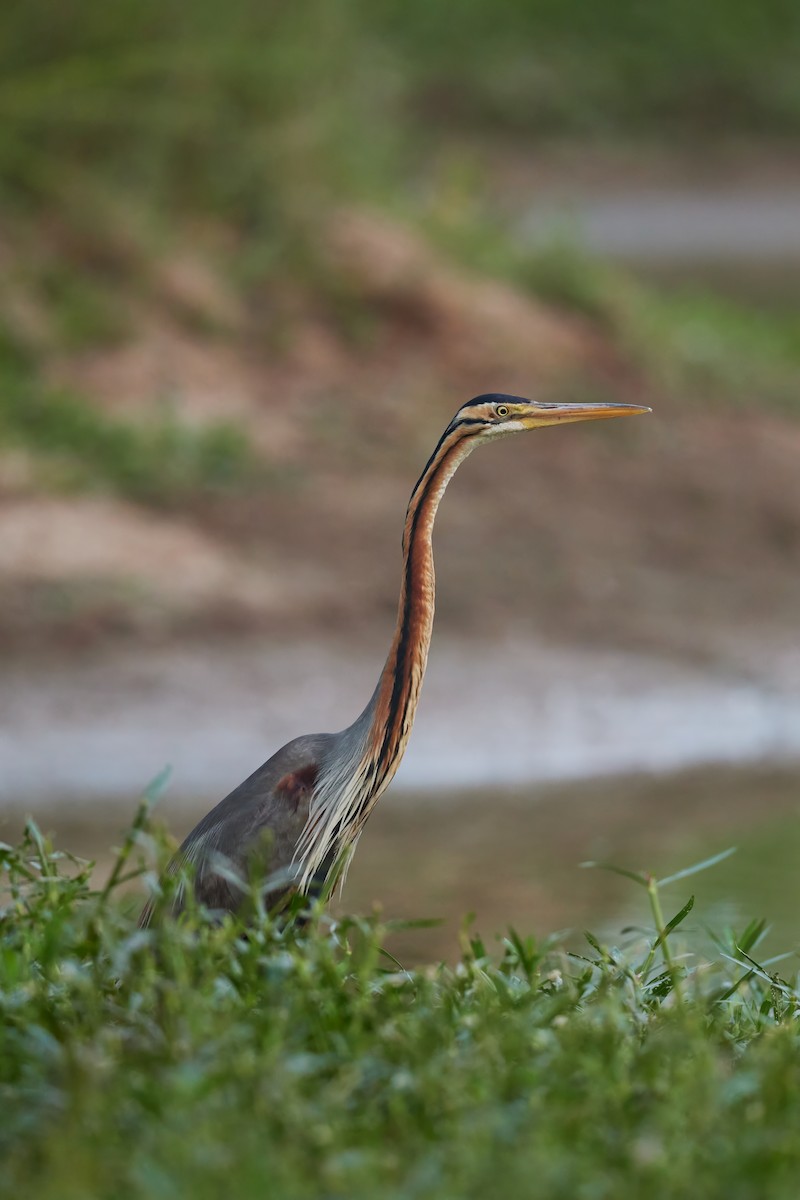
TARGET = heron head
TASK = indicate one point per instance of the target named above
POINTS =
(495, 414)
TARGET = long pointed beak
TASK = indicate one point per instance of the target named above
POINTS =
(561, 414)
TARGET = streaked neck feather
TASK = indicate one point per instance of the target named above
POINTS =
(366, 755)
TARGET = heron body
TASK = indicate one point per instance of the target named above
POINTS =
(301, 813)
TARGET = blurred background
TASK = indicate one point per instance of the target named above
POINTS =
(252, 258)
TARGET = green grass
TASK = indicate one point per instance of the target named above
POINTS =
(125, 129)
(715, 346)
(261, 113)
(195, 1059)
(624, 69)
(79, 447)
(248, 107)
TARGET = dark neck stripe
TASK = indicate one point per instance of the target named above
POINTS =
(398, 704)
(451, 428)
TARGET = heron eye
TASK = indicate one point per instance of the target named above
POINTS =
(501, 410)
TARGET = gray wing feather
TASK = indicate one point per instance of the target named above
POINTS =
(253, 820)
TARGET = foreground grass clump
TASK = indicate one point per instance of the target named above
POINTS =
(195, 1059)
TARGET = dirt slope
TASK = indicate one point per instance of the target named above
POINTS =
(680, 530)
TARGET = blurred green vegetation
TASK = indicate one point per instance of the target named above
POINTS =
(195, 1056)
(159, 462)
(123, 125)
(254, 108)
(689, 339)
(570, 67)
(259, 112)
(248, 111)
(711, 346)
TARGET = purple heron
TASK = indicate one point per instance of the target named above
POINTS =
(298, 818)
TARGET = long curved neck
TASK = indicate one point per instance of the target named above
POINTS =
(394, 703)
(368, 752)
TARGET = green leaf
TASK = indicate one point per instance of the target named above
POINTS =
(697, 867)
(636, 876)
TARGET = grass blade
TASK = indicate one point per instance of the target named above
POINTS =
(697, 867)
(636, 876)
